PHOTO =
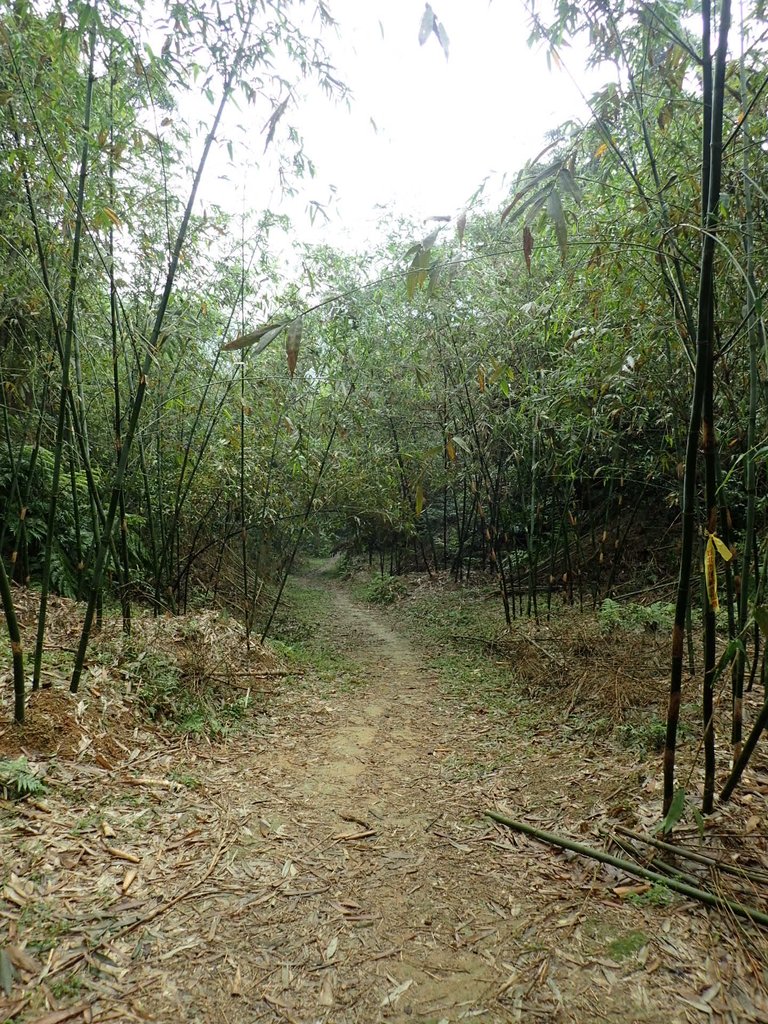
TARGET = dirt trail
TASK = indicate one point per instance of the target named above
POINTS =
(381, 894)
(377, 770)
(334, 867)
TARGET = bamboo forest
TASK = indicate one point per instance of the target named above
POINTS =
(385, 615)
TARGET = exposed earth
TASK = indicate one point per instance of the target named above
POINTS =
(332, 864)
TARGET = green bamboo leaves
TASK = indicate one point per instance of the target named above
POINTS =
(429, 25)
(544, 192)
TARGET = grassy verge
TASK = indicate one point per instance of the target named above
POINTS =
(304, 638)
(594, 677)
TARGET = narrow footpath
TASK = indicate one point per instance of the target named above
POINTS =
(332, 865)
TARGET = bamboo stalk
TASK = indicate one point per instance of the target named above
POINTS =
(152, 346)
(695, 856)
(708, 898)
(66, 359)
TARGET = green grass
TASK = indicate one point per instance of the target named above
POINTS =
(381, 589)
(455, 629)
(185, 779)
(67, 988)
(627, 945)
(45, 928)
(304, 636)
(657, 896)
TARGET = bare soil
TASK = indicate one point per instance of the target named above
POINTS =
(333, 865)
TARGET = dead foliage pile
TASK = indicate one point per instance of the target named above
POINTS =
(168, 667)
(578, 662)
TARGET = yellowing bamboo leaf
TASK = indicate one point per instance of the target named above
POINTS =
(725, 553)
(450, 449)
(601, 150)
(710, 575)
(461, 225)
(419, 499)
(481, 379)
(111, 215)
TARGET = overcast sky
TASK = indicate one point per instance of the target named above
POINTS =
(424, 131)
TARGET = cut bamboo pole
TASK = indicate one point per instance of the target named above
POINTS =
(710, 899)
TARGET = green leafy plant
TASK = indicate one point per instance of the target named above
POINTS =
(18, 780)
(185, 705)
(635, 617)
(385, 590)
(657, 896)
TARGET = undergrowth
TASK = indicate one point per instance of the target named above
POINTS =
(181, 700)
(383, 590)
(18, 780)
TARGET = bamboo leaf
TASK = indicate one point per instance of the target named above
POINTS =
(442, 37)
(761, 618)
(272, 123)
(555, 211)
(427, 24)
(6, 973)
(266, 334)
(111, 215)
(569, 183)
(293, 343)
(419, 499)
(461, 225)
(675, 812)
(536, 180)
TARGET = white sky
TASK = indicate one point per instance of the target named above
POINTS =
(442, 126)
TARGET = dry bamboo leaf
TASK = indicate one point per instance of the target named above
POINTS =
(346, 837)
(20, 958)
(61, 1015)
(106, 830)
(331, 948)
(392, 997)
(325, 996)
(632, 890)
(236, 988)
